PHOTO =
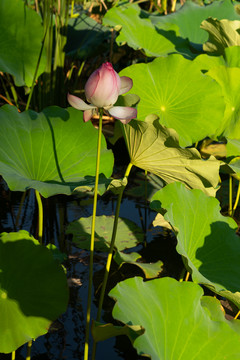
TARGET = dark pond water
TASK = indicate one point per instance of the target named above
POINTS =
(65, 340)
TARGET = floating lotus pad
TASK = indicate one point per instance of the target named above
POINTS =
(207, 240)
(178, 321)
(53, 151)
(128, 234)
(33, 289)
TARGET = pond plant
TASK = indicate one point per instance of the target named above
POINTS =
(170, 73)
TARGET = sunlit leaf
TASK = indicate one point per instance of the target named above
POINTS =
(184, 99)
(155, 148)
(207, 240)
(33, 290)
(189, 17)
(128, 234)
(177, 325)
(154, 42)
(21, 35)
(53, 151)
(229, 79)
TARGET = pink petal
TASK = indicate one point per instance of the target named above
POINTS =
(123, 113)
(87, 115)
(126, 84)
(103, 86)
(78, 103)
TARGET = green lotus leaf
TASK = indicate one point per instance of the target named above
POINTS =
(85, 37)
(21, 35)
(101, 332)
(128, 234)
(150, 270)
(154, 42)
(33, 289)
(229, 80)
(189, 17)
(230, 58)
(233, 147)
(53, 151)
(207, 240)
(155, 148)
(222, 34)
(177, 325)
(234, 165)
(183, 98)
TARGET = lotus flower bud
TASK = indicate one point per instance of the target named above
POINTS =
(102, 90)
(103, 86)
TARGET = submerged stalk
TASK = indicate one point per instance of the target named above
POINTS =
(110, 254)
(237, 198)
(230, 196)
(40, 216)
(86, 346)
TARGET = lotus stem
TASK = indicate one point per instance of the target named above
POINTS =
(40, 216)
(35, 73)
(13, 355)
(230, 196)
(88, 318)
(110, 255)
(29, 348)
(237, 315)
(237, 198)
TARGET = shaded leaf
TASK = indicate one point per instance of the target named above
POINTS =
(21, 35)
(128, 234)
(222, 34)
(150, 270)
(33, 290)
(103, 332)
(85, 36)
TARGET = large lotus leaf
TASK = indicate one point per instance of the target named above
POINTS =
(184, 99)
(155, 148)
(229, 80)
(222, 34)
(206, 239)
(21, 35)
(85, 36)
(128, 234)
(53, 151)
(154, 42)
(33, 289)
(189, 17)
(176, 324)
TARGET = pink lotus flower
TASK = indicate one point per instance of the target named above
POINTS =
(102, 90)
